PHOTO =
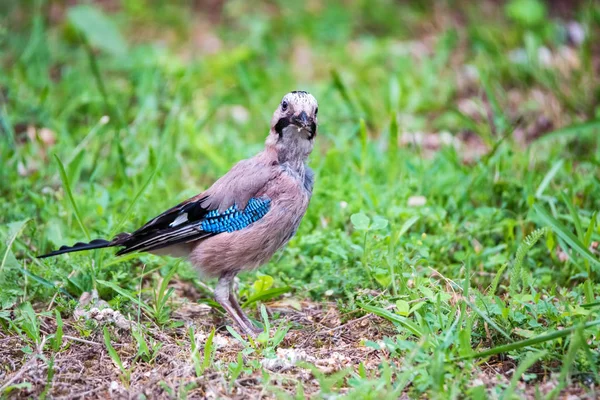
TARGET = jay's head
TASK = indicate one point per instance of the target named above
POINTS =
(294, 123)
(296, 115)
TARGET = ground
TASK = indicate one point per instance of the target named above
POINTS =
(450, 249)
(85, 369)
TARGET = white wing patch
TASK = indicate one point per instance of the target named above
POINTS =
(181, 219)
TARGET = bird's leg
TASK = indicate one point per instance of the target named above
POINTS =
(239, 310)
(223, 295)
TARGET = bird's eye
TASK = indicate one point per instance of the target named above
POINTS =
(316, 111)
(284, 105)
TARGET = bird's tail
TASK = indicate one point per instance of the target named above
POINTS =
(94, 244)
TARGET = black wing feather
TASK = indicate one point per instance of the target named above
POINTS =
(160, 232)
(193, 207)
(94, 244)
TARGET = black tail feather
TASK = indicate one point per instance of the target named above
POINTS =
(94, 244)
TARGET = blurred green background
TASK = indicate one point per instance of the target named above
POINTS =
(449, 131)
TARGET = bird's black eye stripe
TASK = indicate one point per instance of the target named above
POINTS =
(316, 111)
(284, 105)
(281, 124)
(313, 130)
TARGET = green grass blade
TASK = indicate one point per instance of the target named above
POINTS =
(266, 295)
(126, 294)
(98, 28)
(528, 342)
(208, 351)
(341, 87)
(42, 281)
(523, 367)
(125, 373)
(18, 228)
(124, 258)
(575, 129)
(548, 178)
(591, 305)
(393, 141)
(574, 215)
(565, 234)
(383, 313)
(498, 121)
(31, 322)
(194, 354)
(67, 186)
(364, 142)
(133, 203)
(587, 240)
(237, 336)
(494, 286)
(488, 320)
(58, 336)
(571, 356)
(407, 225)
(111, 350)
(164, 292)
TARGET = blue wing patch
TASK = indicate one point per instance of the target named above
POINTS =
(232, 219)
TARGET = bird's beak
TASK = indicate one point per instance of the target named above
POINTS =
(303, 121)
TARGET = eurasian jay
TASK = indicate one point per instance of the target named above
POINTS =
(245, 216)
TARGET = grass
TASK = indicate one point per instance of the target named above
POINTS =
(451, 246)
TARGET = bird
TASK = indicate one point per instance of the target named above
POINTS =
(246, 216)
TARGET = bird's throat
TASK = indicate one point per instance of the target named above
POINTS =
(294, 148)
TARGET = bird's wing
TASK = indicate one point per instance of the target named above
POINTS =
(241, 183)
(231, 203)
